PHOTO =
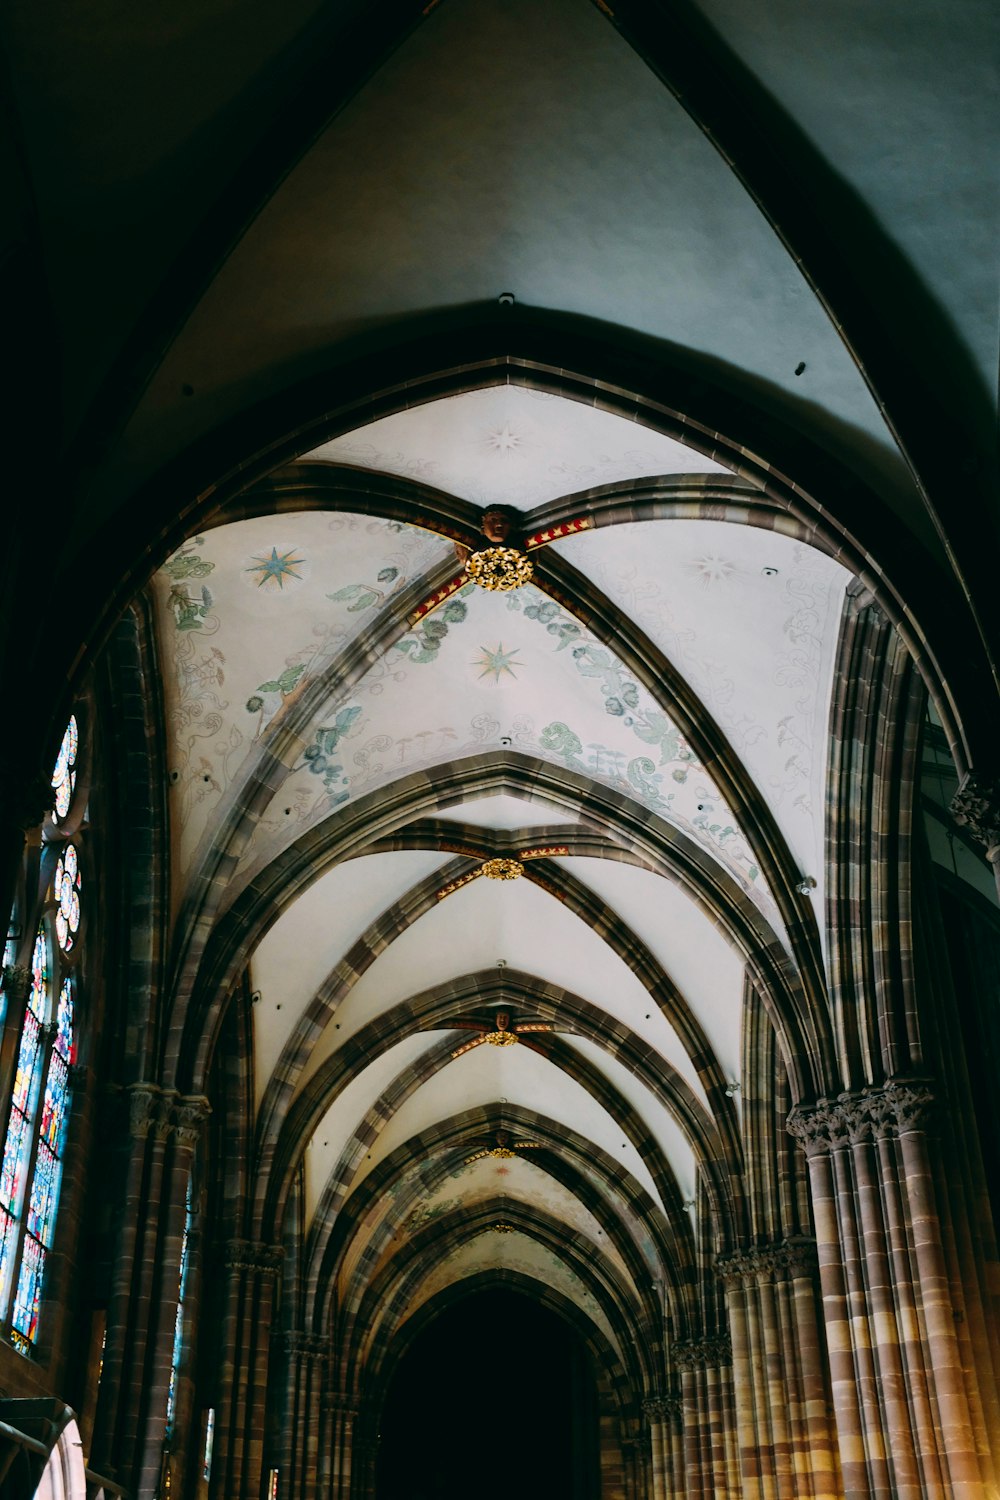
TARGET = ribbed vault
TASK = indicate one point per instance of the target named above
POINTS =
(458, 1081)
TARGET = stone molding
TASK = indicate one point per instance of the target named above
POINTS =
(253, 1255)
(976, 806)
(339, 1404)
(692, 1354)
(166, 1113)
(784, 1260)
(872, 1114)
(305, 1345)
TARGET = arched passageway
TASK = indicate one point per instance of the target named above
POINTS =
(496, 1397)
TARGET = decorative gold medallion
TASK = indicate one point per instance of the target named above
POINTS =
(501, 869)
(499, 568)
(500, 1038)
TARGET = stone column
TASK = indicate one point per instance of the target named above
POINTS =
(305, 1356)
(130, 1424)
(709, 1417)
(783, 1438)
(661, 1413)
(340, 1412)
(900, 1386)
(251, 1276)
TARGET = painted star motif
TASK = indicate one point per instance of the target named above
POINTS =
(711, 569)
(277, 567)
(496, 663)
(504, 440)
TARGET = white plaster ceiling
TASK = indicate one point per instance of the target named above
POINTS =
(531, 932)
(506, 445)
(301, 950)
(525, 1080)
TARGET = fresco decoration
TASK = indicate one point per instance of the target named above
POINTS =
(272, 571)
(205, 748)
(319, 756)
(496, 663)
(357, 748)
(365, 595)
(269, 696)
(749, 618)
(422, 644)
(191, 610)
(220, 696)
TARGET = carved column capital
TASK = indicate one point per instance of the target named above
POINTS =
(663, 1408)
(145, 1109)
(976, 806)
(693, 1354)
(775, 1262)
(302, 1345)
(17, 982)
(188, 1118)
(885, 1111)
(251, 1255)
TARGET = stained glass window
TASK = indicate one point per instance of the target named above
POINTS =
(64, 775)
(67, 893)
(175, 1358)
(31, 1165)
(206, 1466)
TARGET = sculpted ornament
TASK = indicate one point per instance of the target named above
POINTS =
(311, 1346)
(976, 806)
(692, 1354)
(250, 1255)
(663, 1408)
(878, 1113)
(761, 1263)
(189, 1116)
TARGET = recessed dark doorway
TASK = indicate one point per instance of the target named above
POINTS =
(496, 1398)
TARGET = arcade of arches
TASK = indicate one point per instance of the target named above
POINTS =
(501, 989)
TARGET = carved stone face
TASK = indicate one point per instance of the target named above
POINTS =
(496, 526)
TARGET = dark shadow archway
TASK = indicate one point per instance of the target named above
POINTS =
(496, 1397)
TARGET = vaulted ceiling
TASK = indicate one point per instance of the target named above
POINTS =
(705, 296)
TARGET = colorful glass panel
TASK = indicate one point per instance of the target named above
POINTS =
(206, 1467)
(29, 1289)
(41, 974)
(175, 1358)
(8, 1245)
(44, 1195)
(65, 1043)
(64, 775)
(66, 889)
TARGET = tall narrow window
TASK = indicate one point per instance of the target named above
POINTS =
(40, 1000)
(178, 1351)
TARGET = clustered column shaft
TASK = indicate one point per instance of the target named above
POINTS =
(706, 1367)
(130, 1425)
(895, 1353)
(251, 1275)
(783, 1435)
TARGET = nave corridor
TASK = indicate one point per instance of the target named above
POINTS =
(495, 1398)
